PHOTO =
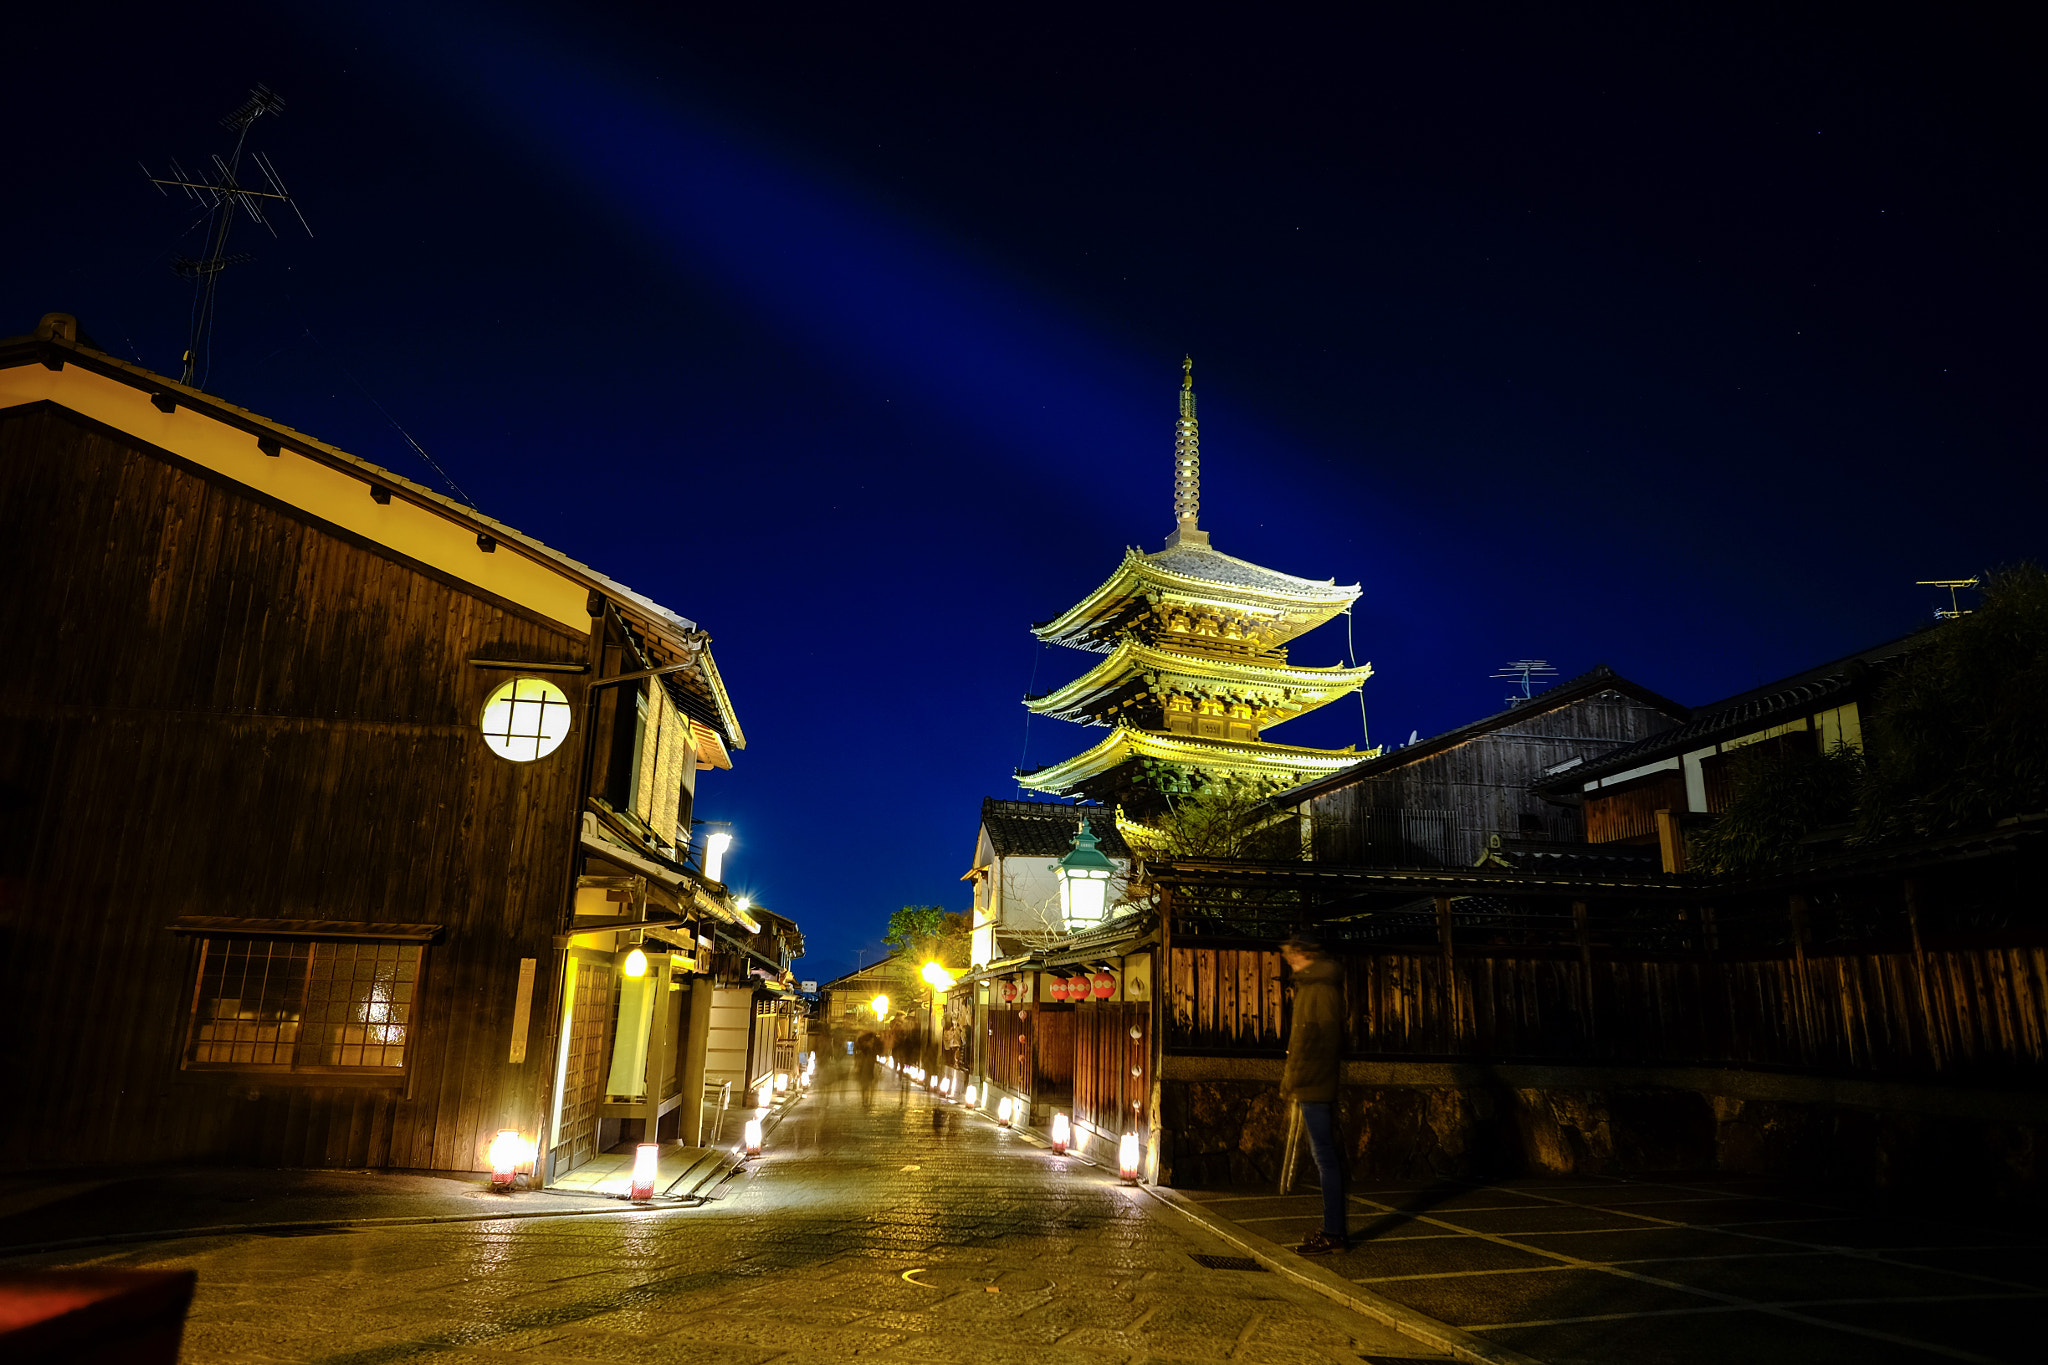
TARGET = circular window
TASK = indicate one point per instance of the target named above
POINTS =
(525, 719)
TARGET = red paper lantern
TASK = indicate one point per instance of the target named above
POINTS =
(1058, 989)
(1104, 984)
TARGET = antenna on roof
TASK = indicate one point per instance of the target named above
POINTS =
(1523, 671)
(222, 192)
(1955, 608)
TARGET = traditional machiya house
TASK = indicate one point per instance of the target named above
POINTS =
(1463, 797)
(1647, 794)
(1016, 895)
(1194, 668)
(346, 826)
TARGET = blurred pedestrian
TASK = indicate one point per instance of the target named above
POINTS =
(1310, 1080)
(866, 1048)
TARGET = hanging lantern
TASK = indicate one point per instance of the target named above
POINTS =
(1103, 984)
(752, 1137)
(1058, 988)
(1127, 1158)
(1084, 880)
(1062, 1133)
(646, 1160)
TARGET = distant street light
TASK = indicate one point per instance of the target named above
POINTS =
(715, 845)
(937, 977)
(880, 1005)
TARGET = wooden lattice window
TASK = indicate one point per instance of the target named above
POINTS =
(302, 1004)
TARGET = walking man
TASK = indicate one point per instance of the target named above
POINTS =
(1310, 1080)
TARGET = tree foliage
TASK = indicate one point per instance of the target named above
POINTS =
(930, 933)
(1223, 820)
(1958, 735)
(1777, 799)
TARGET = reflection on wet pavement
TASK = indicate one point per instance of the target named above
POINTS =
(1014, 1255)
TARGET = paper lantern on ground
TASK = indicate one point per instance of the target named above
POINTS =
(646, 1161)
(752, 1137)
(1004, 1111)
(1127, 1158)
(1062, 1133)
(507, 1153)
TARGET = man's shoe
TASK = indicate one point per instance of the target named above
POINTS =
(1320, 1243)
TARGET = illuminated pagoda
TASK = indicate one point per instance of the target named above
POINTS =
(1194, 668)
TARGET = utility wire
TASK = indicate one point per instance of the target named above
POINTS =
(371, 398)
(1037, 652)
(1351, 656)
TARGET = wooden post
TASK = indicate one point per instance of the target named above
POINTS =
(1935, 1051)
(658, 1045)
(1670, 841)
(1450, 983)
(696, 1033)
(1585, 936)
(1710, 935)
(1802, 993)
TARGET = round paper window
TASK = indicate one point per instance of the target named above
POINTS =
(526, 719)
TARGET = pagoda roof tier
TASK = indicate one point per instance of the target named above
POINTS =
(1293, 690)
(1280, 606)
(1126, 744)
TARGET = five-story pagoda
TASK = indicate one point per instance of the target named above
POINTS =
(1195, 667)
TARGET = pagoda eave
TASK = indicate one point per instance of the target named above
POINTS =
(1125, 744)
(1308, 688)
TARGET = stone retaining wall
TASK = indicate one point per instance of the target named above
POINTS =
(1223, 1123)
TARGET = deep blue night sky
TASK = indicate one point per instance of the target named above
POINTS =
(1680, 342)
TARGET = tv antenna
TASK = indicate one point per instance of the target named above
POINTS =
(222, 193)
(1524, 671)
(1954, 585)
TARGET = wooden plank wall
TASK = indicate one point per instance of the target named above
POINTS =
(1009, 1048)
(216, 707)
(1055, 1051)
(1969, 1012)
(1477, 788)
(1106, 1095)
(1630, 811)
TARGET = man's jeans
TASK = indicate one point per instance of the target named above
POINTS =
(1320, 1119)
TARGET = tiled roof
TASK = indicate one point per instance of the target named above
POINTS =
(1199, 561)
(1046, 828)
(1831, 683)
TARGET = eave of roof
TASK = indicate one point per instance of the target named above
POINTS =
(1139, 570)
(680, 637)
(1125, 742)
(1135, 656)
(1599, 679)
(1731, 717)
(1022, 829)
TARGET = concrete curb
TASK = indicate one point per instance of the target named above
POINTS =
(1359, 1299)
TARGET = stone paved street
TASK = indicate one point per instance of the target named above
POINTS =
(909, 1232)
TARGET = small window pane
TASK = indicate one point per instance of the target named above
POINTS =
(296, 1004)
(525, 719)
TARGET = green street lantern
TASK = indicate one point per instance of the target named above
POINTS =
(1084, 880)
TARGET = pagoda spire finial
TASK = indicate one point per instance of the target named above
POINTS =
(1187, 466)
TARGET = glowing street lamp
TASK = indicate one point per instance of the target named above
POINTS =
(646, 1159)
(937, 977)
(1062, 1133)
(880, 1005)
(1084, 880)
(715, 845)
(636, 963)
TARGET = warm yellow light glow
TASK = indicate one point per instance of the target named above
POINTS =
(646, 1162)
(525, 719)
(509, 1151)
(782, 1082)
(1127, 1157)
(972, 1097)
(880, 1005)
(765, 1095)
(636, 963)
(1005, 1111)
(937, 977)
(715, 845)
(1062, 1132)
(753, 1137)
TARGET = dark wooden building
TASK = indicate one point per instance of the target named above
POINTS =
(1446, 800)
(334, 809)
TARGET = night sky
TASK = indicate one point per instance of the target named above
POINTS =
(1679, 341)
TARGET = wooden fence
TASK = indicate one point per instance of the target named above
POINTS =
(1961, 1011)
(1107, 1096)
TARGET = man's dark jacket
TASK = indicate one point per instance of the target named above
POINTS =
(1317, 1036)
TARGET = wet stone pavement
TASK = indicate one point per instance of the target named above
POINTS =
(905, 1232)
